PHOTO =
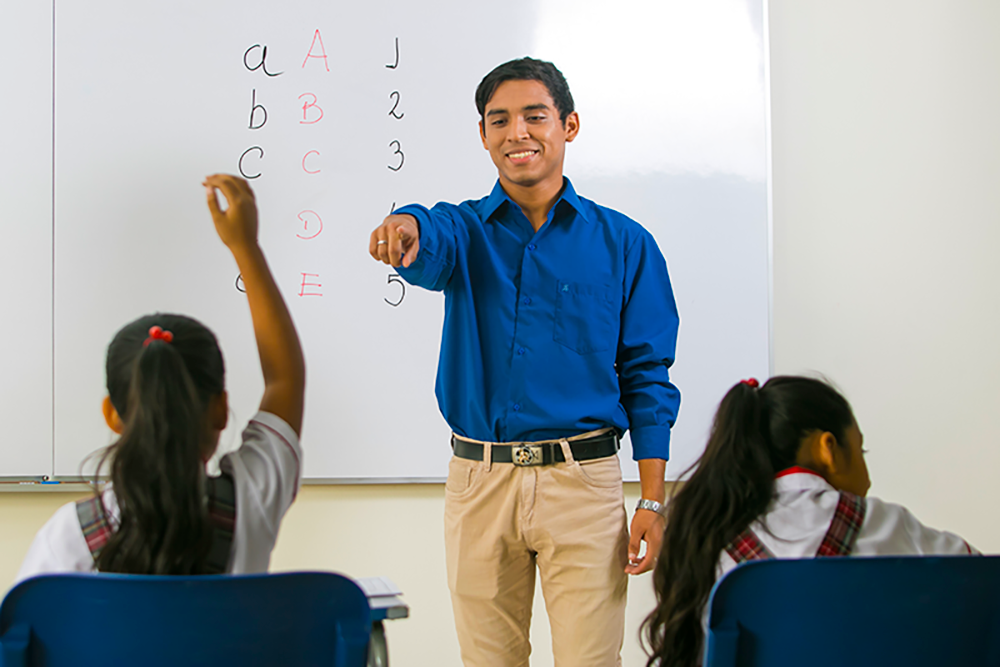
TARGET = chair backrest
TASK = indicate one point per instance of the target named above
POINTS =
(84, 620)
(942, 610)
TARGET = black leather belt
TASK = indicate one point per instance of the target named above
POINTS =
(539, 454)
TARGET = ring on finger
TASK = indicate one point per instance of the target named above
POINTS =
(381, 242)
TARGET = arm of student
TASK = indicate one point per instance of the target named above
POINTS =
(421, 244)
(891, 530)
(278, 345)
(647, 526)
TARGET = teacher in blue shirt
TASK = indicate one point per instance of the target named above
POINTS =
(560, 327)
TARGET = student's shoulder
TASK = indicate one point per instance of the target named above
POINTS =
(269, 449)
(59, 546)
(892, 529)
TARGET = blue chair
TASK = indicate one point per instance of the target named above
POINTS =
(100, 620)
(913, 611)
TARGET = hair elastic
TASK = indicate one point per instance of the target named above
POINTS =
(752, 382)
(158, 333)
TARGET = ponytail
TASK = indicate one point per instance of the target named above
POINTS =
(157, 465)
(756, 433)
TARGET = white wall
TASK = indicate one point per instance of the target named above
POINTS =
(886, 164)
(886, 220)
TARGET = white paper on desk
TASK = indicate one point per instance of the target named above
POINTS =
(378, 587)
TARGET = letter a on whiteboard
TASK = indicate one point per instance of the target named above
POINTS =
(322, 51)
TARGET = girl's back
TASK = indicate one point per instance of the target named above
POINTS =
(783, 476)
(803, 521)
(166, 399)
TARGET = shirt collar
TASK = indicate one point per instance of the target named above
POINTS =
(795, 470)
(798, 478)
(497, 197)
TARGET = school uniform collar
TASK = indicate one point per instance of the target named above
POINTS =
(498, 197)
(799, 478)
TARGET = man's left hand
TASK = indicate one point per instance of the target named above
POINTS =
(647, 526)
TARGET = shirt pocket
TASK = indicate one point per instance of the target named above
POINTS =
(586, 317)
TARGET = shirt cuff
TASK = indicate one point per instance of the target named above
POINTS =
(650, 442)
(428, 241)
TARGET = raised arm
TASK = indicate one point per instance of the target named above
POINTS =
(277, 342)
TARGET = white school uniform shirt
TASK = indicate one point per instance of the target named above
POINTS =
(266, 471)
(803, 507)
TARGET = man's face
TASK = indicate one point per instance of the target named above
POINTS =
(524, 134)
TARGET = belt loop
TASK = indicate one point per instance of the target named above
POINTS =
(567, 450)
(488, 455)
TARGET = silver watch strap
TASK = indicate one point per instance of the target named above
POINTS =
(651, 505)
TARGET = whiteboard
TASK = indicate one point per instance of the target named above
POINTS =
(26, 241)
(356, 109)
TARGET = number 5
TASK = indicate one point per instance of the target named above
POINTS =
(394, 278)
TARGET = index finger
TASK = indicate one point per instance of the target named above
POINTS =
(213, 199)
(395, 239)
(645, 565)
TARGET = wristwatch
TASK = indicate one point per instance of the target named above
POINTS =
(650, 505)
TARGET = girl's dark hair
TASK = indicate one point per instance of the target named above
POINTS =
(161, 390)
(756, 433)
(526, 69)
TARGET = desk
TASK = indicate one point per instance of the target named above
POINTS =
(386, 604)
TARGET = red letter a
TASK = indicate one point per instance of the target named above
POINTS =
(316, 36)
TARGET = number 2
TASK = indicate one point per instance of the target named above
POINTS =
(392, 112)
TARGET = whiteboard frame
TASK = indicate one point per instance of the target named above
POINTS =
(63, 483)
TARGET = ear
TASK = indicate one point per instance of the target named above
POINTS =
(827, 454)
(111, 417)
(572, 126)
(482, 132)
(218, 411)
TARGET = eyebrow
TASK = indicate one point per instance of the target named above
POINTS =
(530, 107)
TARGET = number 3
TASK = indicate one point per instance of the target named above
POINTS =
(398, 152)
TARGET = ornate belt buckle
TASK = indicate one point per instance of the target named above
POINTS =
(527, 455)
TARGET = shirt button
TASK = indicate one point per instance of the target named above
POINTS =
(517, 407)
(531, 246)
(526, 301)
(520, 350)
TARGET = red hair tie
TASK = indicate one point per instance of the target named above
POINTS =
(157, 333)
(752, 382)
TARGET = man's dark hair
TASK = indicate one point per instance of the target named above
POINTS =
(526, 69)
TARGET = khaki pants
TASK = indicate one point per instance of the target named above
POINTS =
(502, 520)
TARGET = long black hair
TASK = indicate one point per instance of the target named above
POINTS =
(161, 391)
(756, 433)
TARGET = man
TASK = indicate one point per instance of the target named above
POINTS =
(560, 327)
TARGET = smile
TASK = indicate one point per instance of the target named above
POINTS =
(521, 155)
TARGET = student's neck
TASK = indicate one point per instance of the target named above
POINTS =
(535, 200)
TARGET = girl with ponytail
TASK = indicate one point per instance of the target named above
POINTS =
(161, 513)
(783, 476)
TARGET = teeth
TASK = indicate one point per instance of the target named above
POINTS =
(518, 156)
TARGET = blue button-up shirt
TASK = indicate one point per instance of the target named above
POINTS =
(552, 333)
